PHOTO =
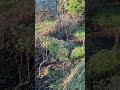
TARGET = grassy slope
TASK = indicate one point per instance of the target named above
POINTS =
(75, 72)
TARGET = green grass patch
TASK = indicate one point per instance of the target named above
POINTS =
(56, 48)
(79, 32)
(78, 53)
(76, 79)
(43, 25)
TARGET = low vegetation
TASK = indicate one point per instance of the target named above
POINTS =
(104, 64)
(62, 42)
(77, 53)
(79, 32)
(44, 25)
(63, 56)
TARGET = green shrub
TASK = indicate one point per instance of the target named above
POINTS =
(53, 47)
(103, 63)
(77, 53)
(63, 52)
(55, 75)
(79, 32)
(56, 48)
(75, 6)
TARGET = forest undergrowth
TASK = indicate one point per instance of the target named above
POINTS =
(60, 54)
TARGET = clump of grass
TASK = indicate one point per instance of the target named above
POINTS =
(79, 32)
(56, 48)
(76, 79)
(77, 53)
(43, 25)
(55, 75)
(104, 63)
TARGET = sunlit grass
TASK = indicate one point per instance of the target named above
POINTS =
(43, 25)
(79, 32)
(77, 53)
(76, 79)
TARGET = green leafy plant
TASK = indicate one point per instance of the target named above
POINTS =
(75, 6)
(77, 53)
